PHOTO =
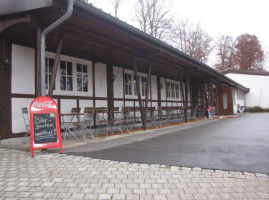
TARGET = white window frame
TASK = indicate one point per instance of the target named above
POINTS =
(66, 75)
(74, 61)
(140, 76)
(84, 78)
(168, 89)
(144, 85)
(48, 73)
(172, 89)
(128, 83)
(177, 90)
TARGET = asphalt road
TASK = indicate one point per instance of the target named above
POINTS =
(240, 144)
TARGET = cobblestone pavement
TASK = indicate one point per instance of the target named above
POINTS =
(56, 176)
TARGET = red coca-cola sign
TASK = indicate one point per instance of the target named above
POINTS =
(44, 124)
(45, 104)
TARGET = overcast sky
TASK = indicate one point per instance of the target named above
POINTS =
(217, 17)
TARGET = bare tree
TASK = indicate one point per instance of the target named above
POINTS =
(191, 39)
(225, 47)
(116, 4)
(89, 1)
(154, 17)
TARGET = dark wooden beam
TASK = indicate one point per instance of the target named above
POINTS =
(187, 87)
(181, 89)
(93, 90)
(5, 91)
(98, 39)
(4, 24)
(139, 94)
(206, 96)
(147, 94)
(159, 96)
(38, 39)
(55, 66)
(110, 91)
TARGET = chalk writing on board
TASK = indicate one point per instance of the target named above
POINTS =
(44, 128)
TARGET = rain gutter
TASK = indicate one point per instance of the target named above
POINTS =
(50, 28)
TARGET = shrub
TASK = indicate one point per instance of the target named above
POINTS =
(255, 109)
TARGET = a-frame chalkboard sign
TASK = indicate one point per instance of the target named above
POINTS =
(44, 124)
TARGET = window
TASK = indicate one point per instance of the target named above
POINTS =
(144, 85)
(48, 67)
(240, 95)
(225, 101)
(82, 78)
(177, 90)
(127, 84)
(135, 89)
(172, 90)
(167, 89)
(66, 81)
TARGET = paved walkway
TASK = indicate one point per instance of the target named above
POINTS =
(239, 144)
(55, 176)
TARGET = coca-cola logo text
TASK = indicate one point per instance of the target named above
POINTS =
(45, 104)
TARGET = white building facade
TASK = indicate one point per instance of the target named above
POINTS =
(258, 84)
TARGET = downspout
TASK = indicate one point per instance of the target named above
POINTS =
(50, 28)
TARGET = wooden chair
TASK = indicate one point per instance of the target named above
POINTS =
(87, 122)
(26, 120)
(102, 121)
(116, 120)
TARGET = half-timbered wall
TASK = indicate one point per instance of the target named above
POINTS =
(23, 85)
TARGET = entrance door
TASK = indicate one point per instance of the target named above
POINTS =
(225, 99)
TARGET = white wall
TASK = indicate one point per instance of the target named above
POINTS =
(118, 83)
(23, 70)
(259, 87)
(100, 80)
(119, 104)
(85, 103)
(163, 90)
(154, 89)
(18, 125)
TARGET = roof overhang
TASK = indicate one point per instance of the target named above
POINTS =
(246, 72)
(93, 34)
(15, 6)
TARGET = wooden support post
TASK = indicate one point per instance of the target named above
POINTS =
(206, 97)
(217, 100)
(5, 90)
(187, 87)
(110, 91)
(203, 96)
(55, 66)
(182, 92)
(159, 97)
(93, 90)
(147, 94)
(139, 94)
(38, 39)
(123, 88)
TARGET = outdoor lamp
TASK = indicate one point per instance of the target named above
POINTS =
(161, 86)
(112, 78)
(6, 63)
